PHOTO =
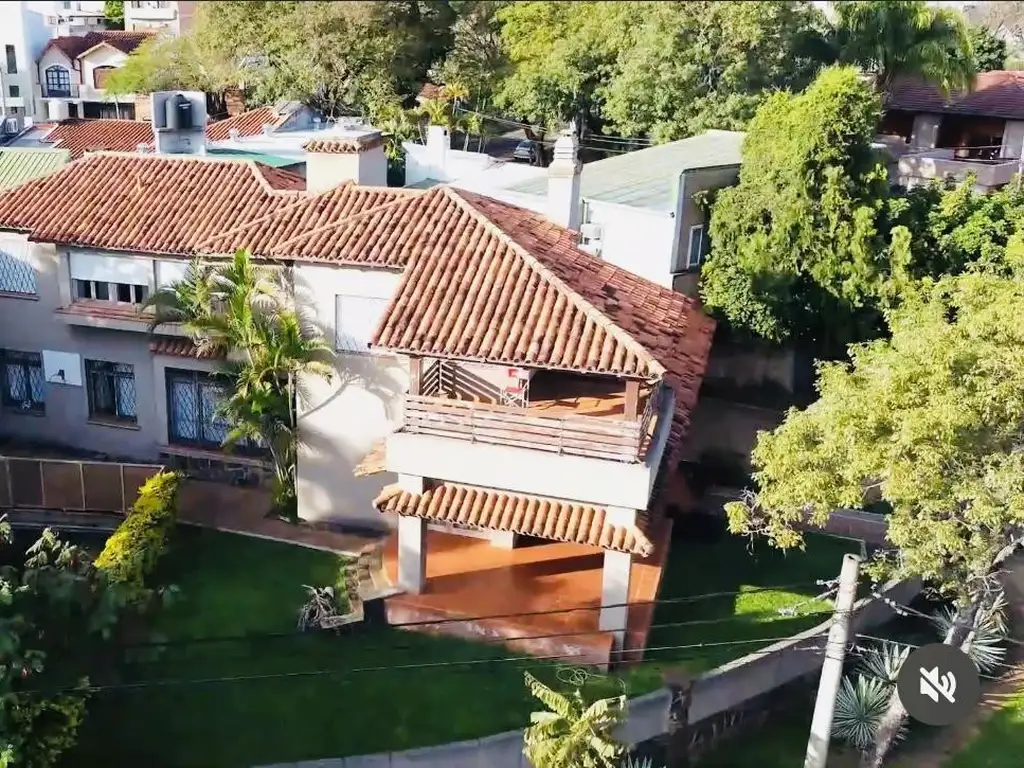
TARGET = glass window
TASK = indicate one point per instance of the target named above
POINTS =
(58, 81)
(193, 418)
(355, 321)
(12, 60)
(698, 247)
(22, 379)
(15, 91)
(111, 388)
(16, 274)
(125, 293)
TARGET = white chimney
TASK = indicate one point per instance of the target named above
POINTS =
(438, 144)
(267, 129)
(142, 148)
(564, 181)
(333, 161)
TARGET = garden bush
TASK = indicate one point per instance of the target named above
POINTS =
(134, 549)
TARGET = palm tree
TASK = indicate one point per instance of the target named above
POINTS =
(572, 733)
(905, 38)
(438, 112)
(241, 308)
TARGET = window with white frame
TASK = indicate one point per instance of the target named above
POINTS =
(698, 247)
(356, 318)
(16, 274)
(110, 278)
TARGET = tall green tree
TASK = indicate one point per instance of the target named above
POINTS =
(572, 733)
(798, 251)
(905, 38)
(990, 51)
(690, 66)
(113, 13)
(476, 58)
(240, 308)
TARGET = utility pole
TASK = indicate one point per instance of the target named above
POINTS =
(832, 668)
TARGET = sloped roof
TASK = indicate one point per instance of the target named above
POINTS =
(493, 283)
(998, 94)
(249, 123)
(145, 203)
(20, 165)
(647, 178)
(95, 135)
(74, 46)
(297, 228)
(492, 510)
(175, 346)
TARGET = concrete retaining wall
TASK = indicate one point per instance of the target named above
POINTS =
(718, 695)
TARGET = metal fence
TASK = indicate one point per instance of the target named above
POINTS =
(83, 486)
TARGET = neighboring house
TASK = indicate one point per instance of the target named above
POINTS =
(159, 16)
(72, 72)
(72, 17)
(20, 165)
(981, 131)
(492, 378)
(639, 210)
(25, 35)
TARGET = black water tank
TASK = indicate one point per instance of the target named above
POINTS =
(179, 113)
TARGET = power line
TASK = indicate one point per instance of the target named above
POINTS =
(491, 617)
(405, 667)
(861, 650)
(505, 120)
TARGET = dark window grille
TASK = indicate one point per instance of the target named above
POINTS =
(193, 401)
(16, 274)
(111, 389)
(58, 82)
(23, 383)
(12, 60)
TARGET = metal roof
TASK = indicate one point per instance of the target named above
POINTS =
(20, 165)
(274, 161)
(647, 178)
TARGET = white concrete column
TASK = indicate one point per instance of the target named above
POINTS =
(412, 553)
(615, 594)
(503, 539)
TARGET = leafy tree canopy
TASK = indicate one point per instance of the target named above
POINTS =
(990, 51)
(113, 13)
(929, 421)
(798, 244)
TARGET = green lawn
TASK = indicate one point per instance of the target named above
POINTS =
(369, 692)
(999, 741)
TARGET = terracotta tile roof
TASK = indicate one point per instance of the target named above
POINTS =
(492, 510)
(302, 221)
(248, 123)
(494, 283)
(377, 236)
(74, 46)
(344, 146)
(998, 94)
(430, 91)
(81, 136)
(144, 203)
(173, 346)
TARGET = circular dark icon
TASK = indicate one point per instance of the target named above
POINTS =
(938, 684)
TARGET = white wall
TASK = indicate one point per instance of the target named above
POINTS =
(342, 421)
(56, 56)
(24, 27)
(102, 56)
(635, 239)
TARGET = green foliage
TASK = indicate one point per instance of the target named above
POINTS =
(241, 307)
(928, 421)
(990, 51)
(860, 705)
(572, 733)
(798, 245)
(56, 612)
(134, 549)
(476, 58)
(113, 13)
(908, 38)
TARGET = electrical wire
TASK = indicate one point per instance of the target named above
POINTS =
(1011, 667)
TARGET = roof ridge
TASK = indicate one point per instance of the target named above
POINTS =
(340, 223)
(257, 167)
(588, 308)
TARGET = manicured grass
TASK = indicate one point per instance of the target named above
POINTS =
(376, 690)
(999, 741)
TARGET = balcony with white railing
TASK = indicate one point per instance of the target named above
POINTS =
(589, 438)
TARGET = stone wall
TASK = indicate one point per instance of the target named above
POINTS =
(723, 702)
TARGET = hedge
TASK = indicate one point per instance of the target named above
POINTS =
(133, 550)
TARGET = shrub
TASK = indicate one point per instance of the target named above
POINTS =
(134, 548)
(49, 728)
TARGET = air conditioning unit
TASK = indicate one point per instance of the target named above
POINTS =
(591, 231)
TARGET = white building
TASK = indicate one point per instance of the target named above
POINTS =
(71, 17)
(25, 33)
(158, 16)
(641, 210)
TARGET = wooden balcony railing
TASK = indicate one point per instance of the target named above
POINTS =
(81, 486)
(589, 436)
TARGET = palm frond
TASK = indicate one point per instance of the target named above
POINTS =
(860, 705)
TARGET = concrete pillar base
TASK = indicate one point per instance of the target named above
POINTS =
(614, 595)
(412, 554)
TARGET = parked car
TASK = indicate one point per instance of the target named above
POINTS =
(525, 150)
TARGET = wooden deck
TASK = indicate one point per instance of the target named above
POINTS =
(483, 591)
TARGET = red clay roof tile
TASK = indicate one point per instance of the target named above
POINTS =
(286, 232)
(74, 46)
(998, 94)
(144, 203)
(492, 510)
(249, 123)
(81, 136)
(105, 309)
(172, 346)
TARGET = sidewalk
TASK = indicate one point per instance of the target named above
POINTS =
(244, 511)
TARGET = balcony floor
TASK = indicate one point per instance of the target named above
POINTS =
(468, 577)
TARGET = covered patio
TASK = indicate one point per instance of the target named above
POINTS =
(550, 578)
